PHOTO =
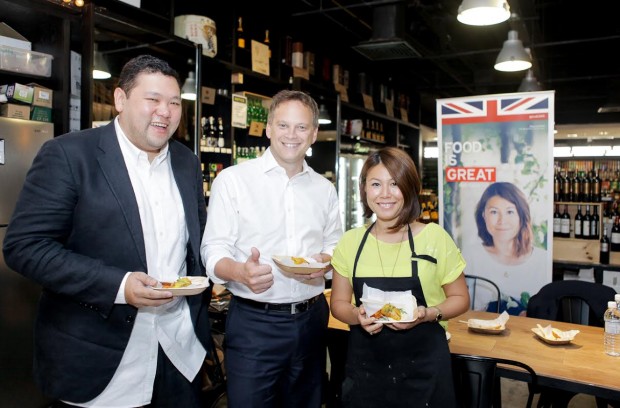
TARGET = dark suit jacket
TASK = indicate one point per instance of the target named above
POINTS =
(76, 231)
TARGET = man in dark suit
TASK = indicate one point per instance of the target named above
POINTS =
(104, 215)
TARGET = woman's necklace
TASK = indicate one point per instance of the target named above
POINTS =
(400, 244)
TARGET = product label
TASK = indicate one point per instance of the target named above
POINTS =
(615, 238)
(557, 225)
(566, 226)
(604, 247)
(612, 327)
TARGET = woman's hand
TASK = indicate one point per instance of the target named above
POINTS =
(424, 316)
(368, 323)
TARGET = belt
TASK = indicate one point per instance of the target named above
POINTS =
(288, 308)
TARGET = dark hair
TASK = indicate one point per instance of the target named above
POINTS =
(403, 170)
(304, 98)
(509, 192)
(144, 64)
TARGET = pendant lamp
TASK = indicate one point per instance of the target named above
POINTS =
(529, 83)
(483, 12)
(188, 91)
(513, 56)
(100, 66)
(324, 118)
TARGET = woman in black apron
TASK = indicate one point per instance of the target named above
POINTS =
(397, 364)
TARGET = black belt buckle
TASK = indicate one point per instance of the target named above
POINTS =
(299, 307)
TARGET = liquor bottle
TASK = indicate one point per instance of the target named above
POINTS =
(615, 235)
(267, 42)
(240, 37)
(557, 187)
(205, 181)
(557, 222)
(575, 187)
(613, 186)
(595, 223)
(608, 219)
(203, 137)
(606, 184)
(586, 224)
(612, 329)
(578, 223)
(596, 186)
(221, 142)
(604, 250)
(565, 224)
(566, 187)
(586, 185)
(211, 139)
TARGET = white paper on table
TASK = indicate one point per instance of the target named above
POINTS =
(497, 323)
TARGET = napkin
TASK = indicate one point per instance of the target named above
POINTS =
(374, 299)
(499, 323)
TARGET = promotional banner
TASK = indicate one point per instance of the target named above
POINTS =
(496, 191)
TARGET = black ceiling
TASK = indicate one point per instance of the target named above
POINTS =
(573, 45)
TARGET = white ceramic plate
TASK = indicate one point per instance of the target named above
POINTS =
(199, 284)
(287, 265)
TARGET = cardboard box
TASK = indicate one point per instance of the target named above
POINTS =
(41, 96)
(11, 110)
(41, 114)
(17, 93)
(12, 38)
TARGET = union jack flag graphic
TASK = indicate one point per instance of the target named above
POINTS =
(509, 108)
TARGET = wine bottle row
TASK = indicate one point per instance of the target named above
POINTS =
(580, 186)
(584, 226)
(213, 139)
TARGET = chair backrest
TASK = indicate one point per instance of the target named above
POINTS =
(571, 301)
(477, 284)
(476, 384)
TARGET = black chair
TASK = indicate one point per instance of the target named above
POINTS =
(570, 301)
(475, 283)
(476, 380)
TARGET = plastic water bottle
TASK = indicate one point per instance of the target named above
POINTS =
(612, 329)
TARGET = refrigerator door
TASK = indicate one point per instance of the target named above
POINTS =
(351, 209)
(21, 140)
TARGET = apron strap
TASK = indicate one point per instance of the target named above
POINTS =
(359, 249)
(415, 256)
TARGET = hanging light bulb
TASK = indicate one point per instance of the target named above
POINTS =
(188, 91)
(324, 118)
(529, 83)
(79, 3)
(513, 56)
(100, 66)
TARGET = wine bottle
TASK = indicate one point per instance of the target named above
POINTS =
(596, 187)
(211, 139)
(586, 193)
(240, 37)
(595, 223)
(578, 223)
(585, 223)
(604, 250)
(575, 187)
(221, 142)
(557, 222)
(566, 187)
(203, 138)
(615, 235)
(557, 186)
(565, 224)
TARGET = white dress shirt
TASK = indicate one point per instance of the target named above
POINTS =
(165, 238)
(255, 204)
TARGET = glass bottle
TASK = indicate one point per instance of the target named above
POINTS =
(604, 249)
(595, 223)
(615, 235)
(221, 142)
(585, 223)
(578, 223)
(565, 223)
(557, 222)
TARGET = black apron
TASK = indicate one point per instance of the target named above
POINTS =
(405, 368)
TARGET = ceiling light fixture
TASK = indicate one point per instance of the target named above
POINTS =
(513, 57)
(100, 66)
(78, 3)
(529, 83)
(483, 12)
(324, 118)
(188, 91)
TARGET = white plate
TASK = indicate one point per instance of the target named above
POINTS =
(555, 342)
(287, 265)
(199, 284)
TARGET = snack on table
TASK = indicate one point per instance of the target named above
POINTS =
(179, 283)
(390, 311)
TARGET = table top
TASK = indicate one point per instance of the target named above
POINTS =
(580, 366)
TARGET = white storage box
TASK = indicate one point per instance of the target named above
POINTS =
(25, 62)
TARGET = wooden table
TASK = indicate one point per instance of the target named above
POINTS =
(580, 366)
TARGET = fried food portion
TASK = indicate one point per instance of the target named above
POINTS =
(298, 261)
(390, 311)
(179, 283)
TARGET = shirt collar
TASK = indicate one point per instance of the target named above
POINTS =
(132, 151)
(269, 163)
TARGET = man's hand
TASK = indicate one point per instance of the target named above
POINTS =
(138, 291)
(254, 275)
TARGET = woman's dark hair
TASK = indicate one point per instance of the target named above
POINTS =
(509, 192)
(304, 98)
(402, 169)
(144, 64)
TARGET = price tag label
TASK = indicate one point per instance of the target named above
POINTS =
(239, 111)
(260, 58)
(368, 103)
(403, 115)
(207, 95)
(344, 95)
(256, 129)
(389, 107)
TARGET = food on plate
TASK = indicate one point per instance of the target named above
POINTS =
(390, 311)
(299, 260)
(179, 283)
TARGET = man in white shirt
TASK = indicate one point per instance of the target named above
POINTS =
(274, 205)
(104, 215)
